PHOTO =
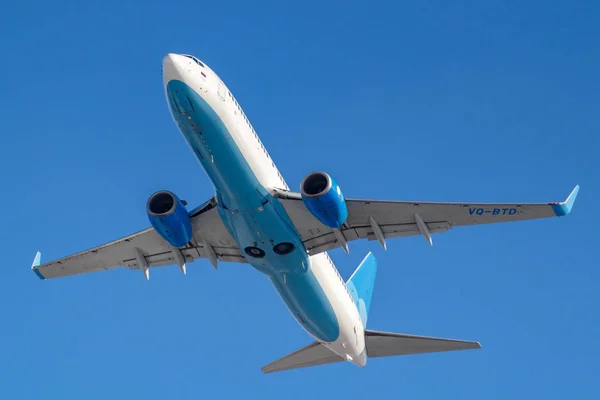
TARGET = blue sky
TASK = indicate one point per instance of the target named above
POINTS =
(431, 100)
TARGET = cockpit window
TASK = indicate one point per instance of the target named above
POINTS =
(198, 61)
(194, 58)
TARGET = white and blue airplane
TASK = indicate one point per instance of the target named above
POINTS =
(254, 218)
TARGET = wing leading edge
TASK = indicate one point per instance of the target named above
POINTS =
(380, 219)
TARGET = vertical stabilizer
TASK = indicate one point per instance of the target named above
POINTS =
(360, 285)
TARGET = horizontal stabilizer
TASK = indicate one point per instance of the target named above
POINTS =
(385, 344)
(309, 356)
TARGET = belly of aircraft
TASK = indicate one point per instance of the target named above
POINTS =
(251, 214)
(307, 301)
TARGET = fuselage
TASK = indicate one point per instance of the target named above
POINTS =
(244, 177)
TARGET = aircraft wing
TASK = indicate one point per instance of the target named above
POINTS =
(147, 249)
(380, 220)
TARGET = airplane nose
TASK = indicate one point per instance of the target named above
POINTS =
(170, 58)
(172, 67)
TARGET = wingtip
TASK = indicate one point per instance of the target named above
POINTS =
(34, 266)
(37, 260)
(564, 208)
(472, 346)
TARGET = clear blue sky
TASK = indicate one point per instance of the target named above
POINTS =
(449, 101)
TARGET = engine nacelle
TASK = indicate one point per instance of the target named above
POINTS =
(170, 219)
(324, 199)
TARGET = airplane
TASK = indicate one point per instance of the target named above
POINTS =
(255, 218)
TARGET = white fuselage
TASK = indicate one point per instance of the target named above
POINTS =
(196, 75)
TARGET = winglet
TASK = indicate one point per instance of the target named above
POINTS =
(36, 263)
(564, 208)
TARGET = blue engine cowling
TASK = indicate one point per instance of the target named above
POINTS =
(170, 219)
(324, 199)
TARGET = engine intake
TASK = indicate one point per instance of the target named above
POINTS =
(324, 199)
(169, 217)
(315, 184)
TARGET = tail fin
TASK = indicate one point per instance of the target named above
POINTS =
(360, 285)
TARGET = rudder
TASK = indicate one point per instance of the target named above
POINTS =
(360, 285)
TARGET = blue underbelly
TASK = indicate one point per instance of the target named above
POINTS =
(215, 148)
(251, 214)
(307, 301)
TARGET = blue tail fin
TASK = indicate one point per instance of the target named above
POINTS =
(360, 285)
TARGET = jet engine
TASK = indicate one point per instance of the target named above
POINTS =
(169, 217)
(324, 199)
